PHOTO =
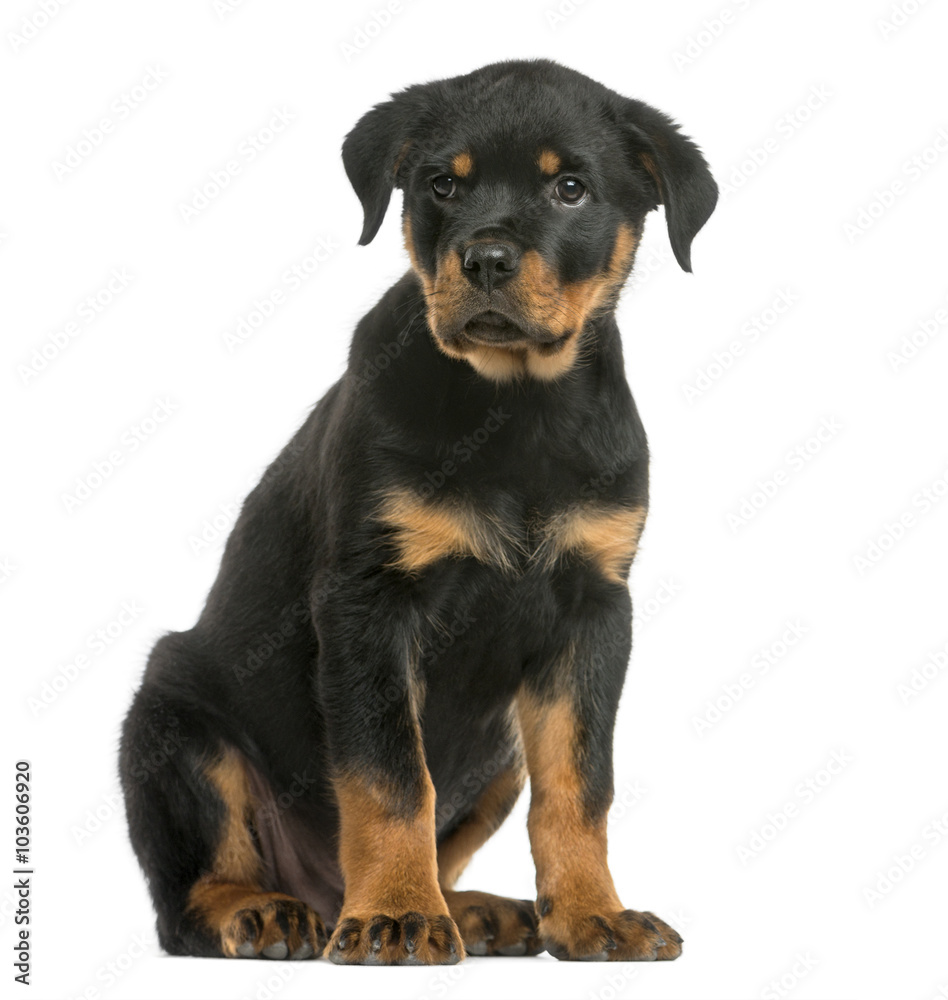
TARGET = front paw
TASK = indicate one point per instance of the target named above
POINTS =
(622, 936)
(411, 939)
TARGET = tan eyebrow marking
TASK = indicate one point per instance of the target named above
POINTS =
(462, 164)
(549, 162)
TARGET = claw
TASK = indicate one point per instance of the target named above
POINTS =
(277, 950)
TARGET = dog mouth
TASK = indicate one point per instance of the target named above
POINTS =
(492, 327)
(495, 329)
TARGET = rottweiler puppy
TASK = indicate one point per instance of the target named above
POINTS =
(425, 599)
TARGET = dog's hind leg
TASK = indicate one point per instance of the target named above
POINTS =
(190, 815)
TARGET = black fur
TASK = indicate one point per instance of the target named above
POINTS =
(300, 656)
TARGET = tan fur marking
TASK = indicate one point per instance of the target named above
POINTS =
(389, 863)
(219, 904)
(402, 153)
(568, 848)
(426, 532)
(549, 162)
(426, 282)
(494, 925)
(233, 884)
(491, 810)
(502, 364)
(462, 164)
(550, 366)
(447, 296)
(538, 296)
(236, 858)
(649, 163)
(565, 310)
(607, 537)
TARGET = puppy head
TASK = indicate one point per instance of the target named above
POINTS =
(526, 187)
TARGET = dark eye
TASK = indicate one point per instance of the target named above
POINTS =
(570, 191)
(444, 186)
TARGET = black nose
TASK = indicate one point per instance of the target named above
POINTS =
(491, 264)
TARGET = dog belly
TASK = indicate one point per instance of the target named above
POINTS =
(296, 843)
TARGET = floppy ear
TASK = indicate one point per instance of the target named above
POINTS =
(372, 153)
(681, 175)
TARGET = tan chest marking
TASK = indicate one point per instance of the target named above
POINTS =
(606, 536)
(427, 531)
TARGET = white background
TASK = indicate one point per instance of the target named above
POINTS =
(802, 216)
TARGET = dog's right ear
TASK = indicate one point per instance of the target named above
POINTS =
(372, 154)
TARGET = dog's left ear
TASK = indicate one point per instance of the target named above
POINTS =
(373, 152)
(683, 181)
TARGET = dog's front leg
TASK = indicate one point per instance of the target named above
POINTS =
(567, 713)
(393, 910)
